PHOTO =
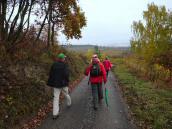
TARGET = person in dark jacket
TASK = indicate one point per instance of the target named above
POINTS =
(59, 80)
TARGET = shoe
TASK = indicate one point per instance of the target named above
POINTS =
(69, 106)
(95, 108)
(55, 117)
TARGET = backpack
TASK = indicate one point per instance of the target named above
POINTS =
(106, 65)
(95, 70)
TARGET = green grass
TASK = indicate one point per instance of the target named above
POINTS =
(151, 107)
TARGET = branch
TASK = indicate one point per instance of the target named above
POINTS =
(20, 27)
(42, 25)
(28, 21)
(14, 22)
(12, 11)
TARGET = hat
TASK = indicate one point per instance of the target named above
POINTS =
(94, 56)
(61, 56)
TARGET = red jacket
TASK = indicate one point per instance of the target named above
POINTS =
(107, 64)
(98, 79)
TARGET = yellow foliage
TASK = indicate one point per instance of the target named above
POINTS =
(89, 54)
(156, 71)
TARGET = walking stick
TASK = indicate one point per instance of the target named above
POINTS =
(89, 81)
(106, 97)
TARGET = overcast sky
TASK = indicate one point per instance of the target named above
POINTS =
(109, 21)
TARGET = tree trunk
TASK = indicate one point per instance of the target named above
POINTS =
(21, 25)
(42, 25)
(3, 7)
(1, 21)
(49, 33)
(52, 35)
(9, 18)
(49, 24)
(14, 22)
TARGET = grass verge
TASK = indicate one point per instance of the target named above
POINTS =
(151, 107)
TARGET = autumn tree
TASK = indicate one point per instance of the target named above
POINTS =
(17, 16)
(153, 36)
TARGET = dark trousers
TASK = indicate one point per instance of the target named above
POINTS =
(107, 72)
(97, 93)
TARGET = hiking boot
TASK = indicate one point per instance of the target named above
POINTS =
(95, 108)
(69, 106)
(55, 117)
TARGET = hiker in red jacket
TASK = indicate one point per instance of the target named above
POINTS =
(107, 64)
(97, 74)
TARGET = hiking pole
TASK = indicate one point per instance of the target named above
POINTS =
(89, 81)
(106, 96)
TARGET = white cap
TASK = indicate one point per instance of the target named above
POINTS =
(95, 56)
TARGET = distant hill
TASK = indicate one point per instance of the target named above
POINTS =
(85, 48)
(79, 47)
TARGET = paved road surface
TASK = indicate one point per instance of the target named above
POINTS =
(82, 115)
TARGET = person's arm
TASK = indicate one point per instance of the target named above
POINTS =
(66, 72)
(87, 71)
(51, 72)
(109, 64)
